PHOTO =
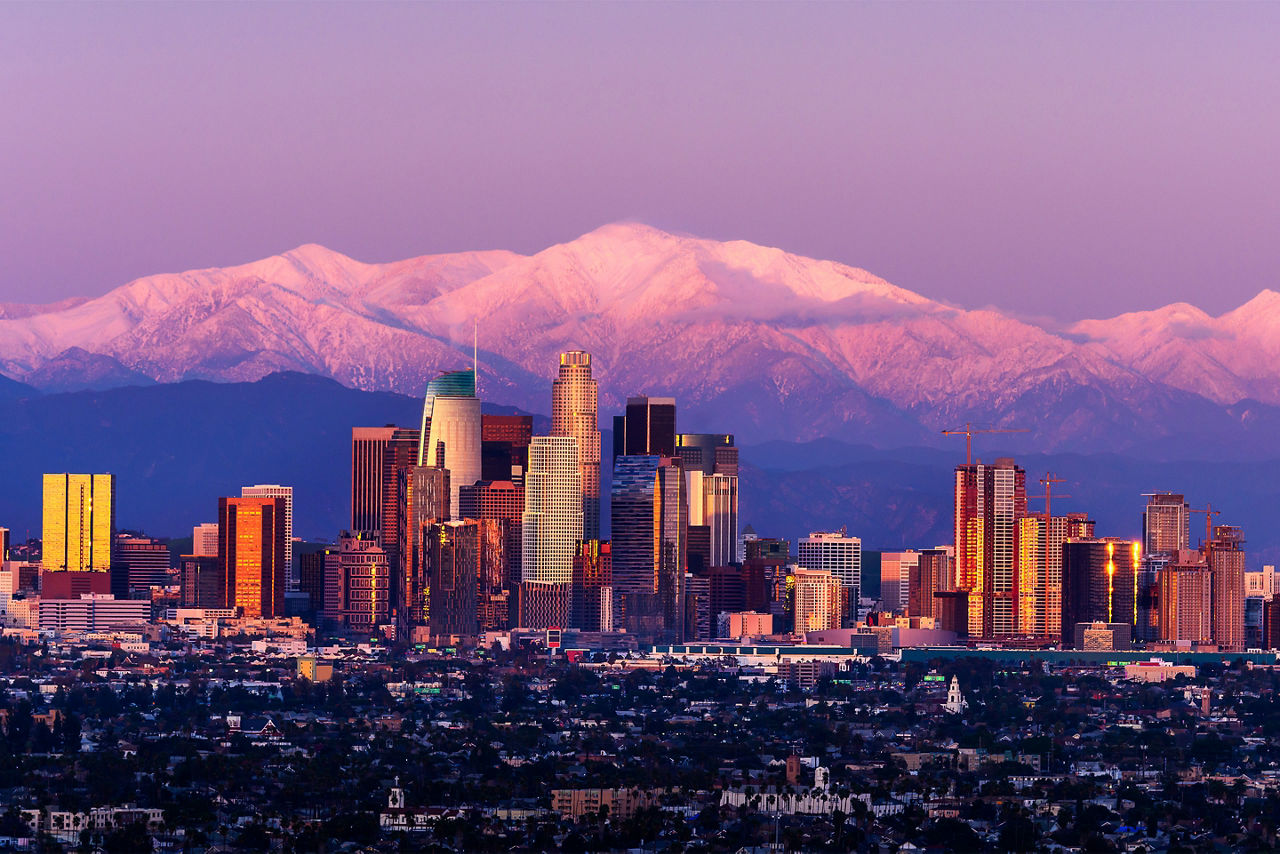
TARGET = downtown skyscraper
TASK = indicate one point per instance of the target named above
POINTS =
(989, 502)
(451, 433)
(575, 412)
(711, 468)
(251, 550)
(79, 522)
(649, 544)
(552, 531)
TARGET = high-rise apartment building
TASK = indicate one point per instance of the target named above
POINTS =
(79, 522)
(818, 594)
(285, 493)
(647, 429)
(204, 540)
(1101, 580)
(1186, 598)
(841, 555)
(989, 501)
(552, 526)
(650, 544)
(1225, 554)
(452, 431)
(251, 554)
(711, 467)
(1039, 585)
(1166, 524)
(575, 412)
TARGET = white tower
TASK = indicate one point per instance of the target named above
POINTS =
(955, 700)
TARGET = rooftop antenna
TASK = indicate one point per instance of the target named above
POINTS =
(475, 354)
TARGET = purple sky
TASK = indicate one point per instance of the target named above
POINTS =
(1066, 160)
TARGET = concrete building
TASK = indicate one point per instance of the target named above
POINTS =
(1225, 554)
(819, 597)
(1166, 523)
(204, 540)
(551, 527)
(841, 555)
(92, 612)
(1186, 598)
(1040, 573)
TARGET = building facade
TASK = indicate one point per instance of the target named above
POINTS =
(841, 555)
(79, 522)
(452, 431)
(989, 501)
(575, 401)
(251, 554)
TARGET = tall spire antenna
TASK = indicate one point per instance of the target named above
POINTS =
(475, 354)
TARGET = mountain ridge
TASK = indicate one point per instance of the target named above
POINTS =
(787, 346)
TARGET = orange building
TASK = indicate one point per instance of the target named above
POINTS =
(251, 550)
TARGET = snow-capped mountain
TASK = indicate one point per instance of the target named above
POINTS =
(748, 338)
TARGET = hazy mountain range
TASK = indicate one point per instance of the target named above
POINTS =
(749, 339)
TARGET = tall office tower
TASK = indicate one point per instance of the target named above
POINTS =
(204, 540)
(1039, 585)
(647, 429)
(423, 495)
(1225, 553)
(79, 522)
(575, 402)
(698, 623)
(504, 447)
(251, 554)
(1186, 598)
(552, 523)
(934, 572)
(818, 594)
(650, 544)
(841, 555)
(451, 431)
(467, 594)
(989, 501)
(363, 584)
(896, 569)
(1166, 524)
(275, 490)
(378, 454)
(711, 467)
(4, 544)
(503, 502)
(311, 577)
(140, 563)
(1101, 578)
(202, 583)
(592, 598)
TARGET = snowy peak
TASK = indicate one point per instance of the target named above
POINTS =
(791, 345)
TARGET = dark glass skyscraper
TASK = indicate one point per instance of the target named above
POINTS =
(650, 543)
(648, 427)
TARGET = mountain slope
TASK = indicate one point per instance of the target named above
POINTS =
(749, 338)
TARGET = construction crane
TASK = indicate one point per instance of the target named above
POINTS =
(1209, 513)
(968, 432)
(1048, 481)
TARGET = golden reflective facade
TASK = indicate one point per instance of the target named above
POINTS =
(251, 549)
(79, 521)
